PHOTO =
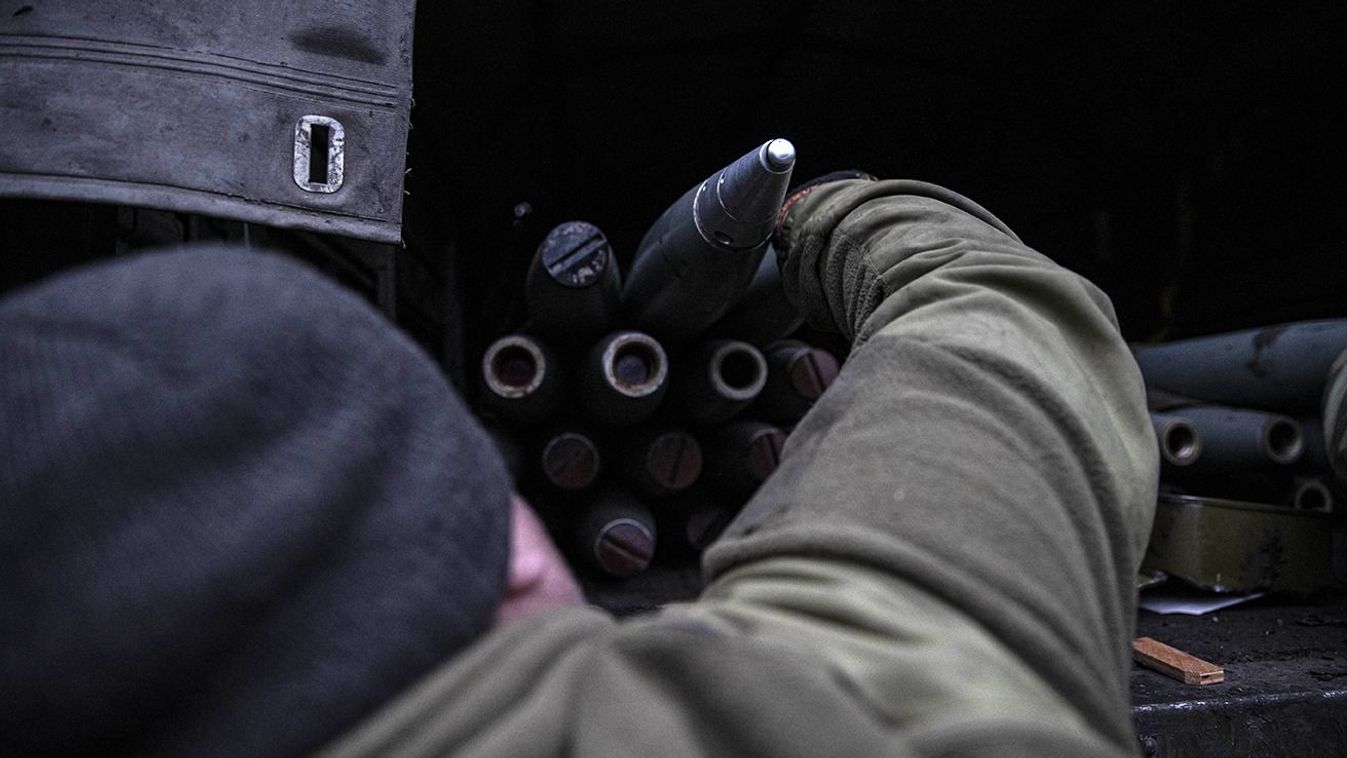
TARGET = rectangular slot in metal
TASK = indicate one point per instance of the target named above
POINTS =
(320, 154)
(319, 145)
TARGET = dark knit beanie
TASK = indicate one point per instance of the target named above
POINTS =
(238, 510)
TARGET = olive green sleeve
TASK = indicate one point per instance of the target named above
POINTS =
(983, 464)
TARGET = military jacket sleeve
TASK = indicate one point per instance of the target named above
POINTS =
(942, 565)
(986, 443)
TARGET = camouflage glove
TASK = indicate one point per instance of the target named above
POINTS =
(835, 242)
(781, 239)
(800, 190)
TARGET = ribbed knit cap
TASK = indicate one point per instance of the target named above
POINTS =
(238, 510)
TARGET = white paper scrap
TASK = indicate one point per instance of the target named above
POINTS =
(1175, 598)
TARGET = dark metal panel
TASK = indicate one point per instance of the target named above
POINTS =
(198, 107)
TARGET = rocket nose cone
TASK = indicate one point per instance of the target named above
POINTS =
(779, 155)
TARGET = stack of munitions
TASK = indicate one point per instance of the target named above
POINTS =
(645, 412)
(1240, 416)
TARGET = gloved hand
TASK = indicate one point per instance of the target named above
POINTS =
(808, 299)
(839, 260)
(800, 190)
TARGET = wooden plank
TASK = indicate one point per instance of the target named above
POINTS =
(1175, 663)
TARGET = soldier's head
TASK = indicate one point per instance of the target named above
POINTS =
(240, 510)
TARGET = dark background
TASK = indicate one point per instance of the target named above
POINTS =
(1185, 156)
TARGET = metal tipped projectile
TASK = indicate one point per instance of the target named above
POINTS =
(616, 534)
(660, 461)
(569, 460)
(742, 454)
(521, 379)
(623, 379)
(739, 211)
(701, 253)
(720, 379)
(1280, 368)
(573, 287)
(763, 314)
(797, 376)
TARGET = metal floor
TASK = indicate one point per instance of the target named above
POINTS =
(1285, 689)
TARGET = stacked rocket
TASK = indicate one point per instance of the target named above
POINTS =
(642, 413)
(1241, 415)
